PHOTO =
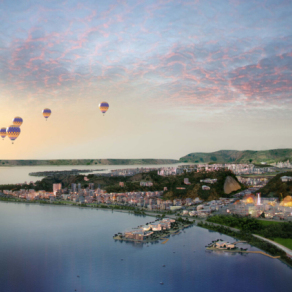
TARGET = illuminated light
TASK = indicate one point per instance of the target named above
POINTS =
(249, 200)
(287, 202)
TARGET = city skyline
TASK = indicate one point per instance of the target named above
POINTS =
(179, 77)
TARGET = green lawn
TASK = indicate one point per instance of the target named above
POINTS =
(264, 222)
(287, 242)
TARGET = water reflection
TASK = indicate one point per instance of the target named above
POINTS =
(45, 248)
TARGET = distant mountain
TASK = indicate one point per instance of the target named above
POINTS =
(86, 162)
(234, 156)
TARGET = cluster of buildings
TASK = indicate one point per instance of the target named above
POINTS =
(77, 194)
(146, 184)
(286, 178)
(144, 231)
(131, 171)
(224, 245)
(209, 180)
(86, 195)
(253, 181)
(206, 208)
(238, 169)
(167, 171)
(251, 205)
(30, 194)
(286, 164)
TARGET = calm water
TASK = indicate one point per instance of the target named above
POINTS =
(20, 174)
(44, 248)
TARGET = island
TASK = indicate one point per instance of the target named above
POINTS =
(154, 231)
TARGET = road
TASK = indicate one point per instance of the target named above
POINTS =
(285, 249)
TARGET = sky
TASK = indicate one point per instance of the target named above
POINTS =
(179, 77)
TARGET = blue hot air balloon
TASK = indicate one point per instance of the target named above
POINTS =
(103, 106)
(17, 121)
(3, 133)
(46, 113)
(13, 132)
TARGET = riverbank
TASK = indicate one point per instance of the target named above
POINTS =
(251, 239)
(116, 208)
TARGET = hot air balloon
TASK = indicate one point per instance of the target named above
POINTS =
(46, 113)
(17, 121)
(103, 106)
(3, 133)
(13, 132)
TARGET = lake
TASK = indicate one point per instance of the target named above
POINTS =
(20, 174)
(45, 248)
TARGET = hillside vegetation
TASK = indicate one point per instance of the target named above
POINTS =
(193, 190)
(132, 184)
(86, 162)
(276, 188)
(234, 156)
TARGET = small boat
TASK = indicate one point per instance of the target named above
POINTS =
(163, 266)
(161, 283)
(78, 276)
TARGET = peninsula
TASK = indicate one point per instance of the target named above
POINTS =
(86, 162)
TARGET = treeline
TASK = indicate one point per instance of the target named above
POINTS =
(254, 241)
(252, 225)
(276, 188)
(132, 184)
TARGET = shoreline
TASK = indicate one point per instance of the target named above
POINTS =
(164, 236)
(82, 206)
(282, 257)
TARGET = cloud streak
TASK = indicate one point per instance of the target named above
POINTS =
(191, 53)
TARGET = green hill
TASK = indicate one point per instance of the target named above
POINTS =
(132, 184)
(276, 188)
(86, 162)
(234, 156)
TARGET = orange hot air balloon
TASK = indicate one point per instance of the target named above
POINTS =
(13, 132)
(103, 106)
(17, 121)
(46, 113)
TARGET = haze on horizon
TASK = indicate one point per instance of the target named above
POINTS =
(179, 76)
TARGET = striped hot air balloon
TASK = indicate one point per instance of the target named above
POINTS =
(46, 113)
(3, 133)
(13, 132)
(103, 106)
(17, 121)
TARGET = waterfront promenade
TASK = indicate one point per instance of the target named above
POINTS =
(287, 250)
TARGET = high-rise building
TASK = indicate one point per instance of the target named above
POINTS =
(79, 186)
(91, 186)
(73, 187)
(56, 188)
